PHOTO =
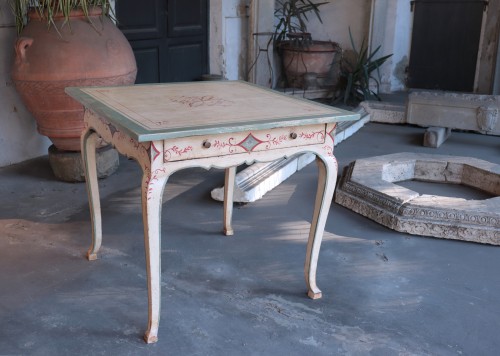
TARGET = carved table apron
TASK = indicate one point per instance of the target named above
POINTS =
(169, 127)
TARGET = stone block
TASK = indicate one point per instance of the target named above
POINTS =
(485, 180)
(389, 113)
(438, 171)
(398, 171)
(435, 136)
(67, 166)
(455, 111)
(253, 182)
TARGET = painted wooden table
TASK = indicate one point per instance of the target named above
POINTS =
(168, 127)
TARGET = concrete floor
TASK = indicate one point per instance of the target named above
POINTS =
(384, 293)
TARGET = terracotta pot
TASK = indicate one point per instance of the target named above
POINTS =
(81, 55)
(316, 61)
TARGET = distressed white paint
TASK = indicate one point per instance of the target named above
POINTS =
(228, 38)
(18, 136)
(216, 31)
(260, 60)
(236, 48)
(390, 28)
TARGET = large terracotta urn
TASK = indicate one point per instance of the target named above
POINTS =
(78, 53)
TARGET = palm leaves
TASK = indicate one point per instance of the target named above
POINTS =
(292, 17)
(356, 75)
(48, 8)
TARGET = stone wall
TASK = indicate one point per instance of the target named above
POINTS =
(228, 38)
(19, 139)
(338, 16)
(391, 26)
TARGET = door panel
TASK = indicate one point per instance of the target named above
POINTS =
(445, 44)
(171, 45)
(147, 56)
(187, 17)
(187, 59)
(141, 20)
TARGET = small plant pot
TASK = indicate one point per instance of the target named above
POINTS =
(301, 59)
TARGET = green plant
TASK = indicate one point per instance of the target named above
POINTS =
(356, 74)
(292, 19)
(47, 9)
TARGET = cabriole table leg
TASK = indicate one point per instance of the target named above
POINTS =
(327, 177)
(228, 200)
(152, 193)
(88, 147)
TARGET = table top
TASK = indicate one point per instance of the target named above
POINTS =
(150, 112)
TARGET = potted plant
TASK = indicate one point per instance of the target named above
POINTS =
(66, 43)
(303, 59)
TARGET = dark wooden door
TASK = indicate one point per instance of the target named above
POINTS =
(445, 44)
(169, 38)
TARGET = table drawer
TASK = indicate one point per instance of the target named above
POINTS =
(241, 142)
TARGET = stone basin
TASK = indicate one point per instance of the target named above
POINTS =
(369, 187)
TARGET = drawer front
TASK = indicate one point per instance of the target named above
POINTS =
(241, 142)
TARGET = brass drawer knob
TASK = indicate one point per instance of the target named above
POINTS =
(293, 135)
(206, 144)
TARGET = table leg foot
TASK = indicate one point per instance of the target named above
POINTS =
(91, 256)
(150, 337)
(314, 295)
(228, 232)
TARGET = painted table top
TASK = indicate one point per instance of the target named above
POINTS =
(161, 111)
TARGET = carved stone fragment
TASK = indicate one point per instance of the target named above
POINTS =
(455, 111)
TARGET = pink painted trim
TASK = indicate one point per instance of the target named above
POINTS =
(175, 150)
(156, 153)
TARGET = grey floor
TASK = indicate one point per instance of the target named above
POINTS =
(384, 293)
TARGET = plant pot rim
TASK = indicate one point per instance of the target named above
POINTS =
(314, 47)
(33, 14)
